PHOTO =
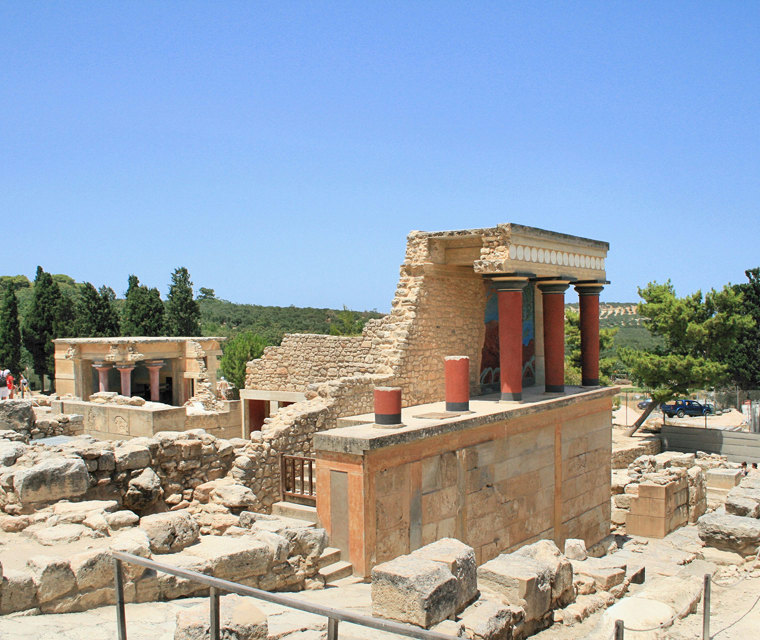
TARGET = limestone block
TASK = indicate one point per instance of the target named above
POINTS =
(52, 479)
(521, 581)
(723, 478)
(744, 500)
(16, 415)
(77, 511)
(10, 452)
(575, 549)
(239, 619)
(233, 496)
(53, 577)
(143, 490)
(459, 559)
(170, 532)
(122, 519)
(414, 590)
(136, 542)
(131, 456)
(172, 587)
(233, 558)
(636, 613)
(546, 553)
(92, 569)
(59, 534)
(487, 620)
(729, 532)
(603, 574)
(18, 591)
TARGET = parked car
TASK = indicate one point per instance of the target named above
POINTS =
(683, 408)
(644, 403)
(711, 411)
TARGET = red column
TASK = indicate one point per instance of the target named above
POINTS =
(154, 366)
(509, 301)
(125, 371)
(554, 334)
(388, 406)
(588, 296)
(457, 372)
(102, 370)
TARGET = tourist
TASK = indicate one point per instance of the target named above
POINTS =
(222, 387)
(4, 373)
(23, 385)
(744, 469)
(9, 382)
(754, 467)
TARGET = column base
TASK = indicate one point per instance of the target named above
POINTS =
(590, 382)
(388, 419)
(555, 388)
(511, 397)
(457, 406)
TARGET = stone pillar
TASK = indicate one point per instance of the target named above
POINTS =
(388, 406)
(457, 372)
(102, 370)
(588, 296)
(553, 297)
(125, 371)
(154, 366)
(509, 299)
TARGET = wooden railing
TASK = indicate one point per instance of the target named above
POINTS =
(297, 478)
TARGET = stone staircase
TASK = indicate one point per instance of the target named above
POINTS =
(332, 569)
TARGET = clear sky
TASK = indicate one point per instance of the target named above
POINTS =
(281, 151)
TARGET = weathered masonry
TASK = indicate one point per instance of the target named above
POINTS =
(531, 460)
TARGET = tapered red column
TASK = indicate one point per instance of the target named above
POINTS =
(509, 301)
(125, 371)
(457, 373)
(588, 296)
(553, 297)
(154, 366)
(102, 370)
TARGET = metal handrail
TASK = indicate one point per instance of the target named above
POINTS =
(218, 585)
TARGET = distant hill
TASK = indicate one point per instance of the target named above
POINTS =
(624, 317)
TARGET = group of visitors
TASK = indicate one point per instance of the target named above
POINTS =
(745, 470)
(8, 385)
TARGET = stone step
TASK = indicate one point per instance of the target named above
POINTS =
(295, 511)
(329, 556)
(336, 571)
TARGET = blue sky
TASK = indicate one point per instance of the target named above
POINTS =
(282, 151)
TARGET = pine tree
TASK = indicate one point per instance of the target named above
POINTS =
(40, 324)
(143, 310)
(86, 312)
(10, 332)
(108, 316)
(183, 315)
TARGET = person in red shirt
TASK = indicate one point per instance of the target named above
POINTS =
(9, 380)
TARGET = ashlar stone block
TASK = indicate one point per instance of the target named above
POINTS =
(414, 590)
(459, 559)
(520, 581)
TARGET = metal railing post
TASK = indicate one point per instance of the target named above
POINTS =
(332, 629)
(619, 629)
(121, 620)
(706, 609)
(214, 630)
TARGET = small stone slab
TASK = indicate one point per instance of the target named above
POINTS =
(442, 415)
(239, 619)
(604, 576)
(414, 590)
(729, 532)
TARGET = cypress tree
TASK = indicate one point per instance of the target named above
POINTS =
(10, 332)
(183, 315)
(108, 316)
(87, 310)
(40, 324)
(143, 310)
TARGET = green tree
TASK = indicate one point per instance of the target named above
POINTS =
(96, 315)
(40, 324)
(183, 315)
(698, 335)
(238, 351)
(744, 360)
(143, 310)
(206, 294)
(573, 354)
(10, 332)
(347, 323)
